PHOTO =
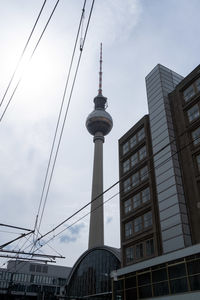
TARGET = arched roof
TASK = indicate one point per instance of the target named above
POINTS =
(114, 251)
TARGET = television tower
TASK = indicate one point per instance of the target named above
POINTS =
(99, 123)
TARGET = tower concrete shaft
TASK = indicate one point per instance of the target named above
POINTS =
(99, 123)
(96, 235)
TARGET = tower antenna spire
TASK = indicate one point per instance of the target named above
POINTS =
(100, 71)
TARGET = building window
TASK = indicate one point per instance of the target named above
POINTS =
(189, 93)
(191, 90)
(193, 113)
(148, 219)
(196, 136)
(149, 247)
(197, 82)
(198, 161)
(137, 200)
(126, 166)
(128, 229)
(133, 141)
(129, 254)
(145, 195)
(127, 185)
(144, 173)
(138, 224)
(140, 134)
(125, 148)
(134, 159)
(135, 179)
(139, 251)
(127, 206)
(142, 153)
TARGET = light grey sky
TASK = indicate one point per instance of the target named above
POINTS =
(136, 35)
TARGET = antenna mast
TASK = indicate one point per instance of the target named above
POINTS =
(100, 72)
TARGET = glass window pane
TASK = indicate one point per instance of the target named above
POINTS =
(148, 219)
(193, 267)
(127, 206)
(179, 285)
(125, 148)
(133, 141)
(136, 201)
(193, 113)
(126, 166)
(140, 134)
(134, 159)
(139, 251)
(188, 93)
(127, 185)
(145, 195)
(138, 224)
(144, 173)
(161, 289)
(144, 278)
(195, 282)
(130, 294)
(150, 247)
(135, 179)
(177, 271)
(145, 291)
(159, 275)
(128, 229)
(142, 153)
(129, 254)
(196, 136)
(130, 282)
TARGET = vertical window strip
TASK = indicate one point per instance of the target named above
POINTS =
(133, 141)
(196, 136)
(137, 200)
(193, 113)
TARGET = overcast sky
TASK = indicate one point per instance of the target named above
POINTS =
(136, 35)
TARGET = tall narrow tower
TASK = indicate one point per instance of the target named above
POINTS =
(99, 123)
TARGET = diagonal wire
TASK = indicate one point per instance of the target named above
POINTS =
(117, 182)
(66, 113)
(22, 54)
(36, 46)
(59, 117)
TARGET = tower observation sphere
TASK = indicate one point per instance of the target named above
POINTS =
(99, 120)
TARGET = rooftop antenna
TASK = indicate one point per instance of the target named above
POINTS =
(100, 72)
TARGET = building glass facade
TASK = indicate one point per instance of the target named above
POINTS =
(90, 278)
(169, 278)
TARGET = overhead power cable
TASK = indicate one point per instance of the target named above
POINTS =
(36, 46)
(66, 113)
(86, 205)
(55, 235)
(59, 116)
(23, 52)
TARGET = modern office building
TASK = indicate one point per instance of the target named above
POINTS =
(159, 166)
(28, 280)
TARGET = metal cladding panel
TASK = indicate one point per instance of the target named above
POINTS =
(159, 83)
